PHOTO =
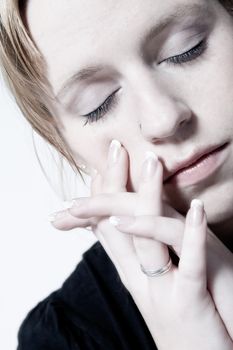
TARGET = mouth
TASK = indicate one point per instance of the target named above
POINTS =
(198, 167)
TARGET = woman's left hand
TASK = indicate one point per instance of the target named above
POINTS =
(167, 229)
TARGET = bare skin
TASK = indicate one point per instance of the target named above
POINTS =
(145, 241)
(170, 109)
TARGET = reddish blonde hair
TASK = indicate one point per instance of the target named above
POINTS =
(23, 69)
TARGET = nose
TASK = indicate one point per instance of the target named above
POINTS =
(161, 115)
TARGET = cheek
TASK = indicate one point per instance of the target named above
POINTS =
(217, 98)
(216, 85)
(210, 95)
(88, 144)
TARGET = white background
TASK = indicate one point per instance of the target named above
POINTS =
(35, 258)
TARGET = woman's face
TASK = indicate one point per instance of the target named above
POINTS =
(169, 106)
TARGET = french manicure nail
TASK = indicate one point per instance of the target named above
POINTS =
(149, 165)
(121, 222)
(88, 228)
(197, 212)
(77, 203)
(58, 215)
(114, 151)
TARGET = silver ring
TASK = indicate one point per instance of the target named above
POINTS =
(159, 272)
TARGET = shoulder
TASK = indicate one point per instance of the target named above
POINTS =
(91, 311)
(75, 313)
(40, 327)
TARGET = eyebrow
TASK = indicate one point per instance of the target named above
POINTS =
(180, 12)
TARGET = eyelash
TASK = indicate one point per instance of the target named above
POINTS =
(188, 56)
(105, 108)
(111, 101)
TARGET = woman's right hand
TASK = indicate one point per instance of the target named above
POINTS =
(177, 306)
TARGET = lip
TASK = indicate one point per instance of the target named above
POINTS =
(197, 167)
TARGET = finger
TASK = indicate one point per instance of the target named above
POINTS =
(64, 221)
(166, 230)
(151, 183)
(115, 181)
(152, 254)
(116, 173)
(123, 203)
(192, 265)
(107, 204)
(96, 189)
(96, 184)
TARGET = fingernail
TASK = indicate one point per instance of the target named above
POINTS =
(58, 215)
(77, 203)
(72, 203)
(88, 228)
(114, 151)
(149, 165)
(121, 222)
(196, 212)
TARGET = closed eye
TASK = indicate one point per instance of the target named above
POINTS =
(188, 56)
(111, 101)
(105, 107)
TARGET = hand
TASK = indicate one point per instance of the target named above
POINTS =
(168, 230)
(166, 297)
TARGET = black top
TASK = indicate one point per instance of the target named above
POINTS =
(92, 310)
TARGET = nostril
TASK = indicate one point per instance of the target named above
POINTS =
(183, 122)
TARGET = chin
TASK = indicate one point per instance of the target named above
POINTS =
(217, 198)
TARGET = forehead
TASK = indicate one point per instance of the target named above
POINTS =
(70, 32)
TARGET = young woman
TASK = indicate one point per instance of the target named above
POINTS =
(139, 95)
